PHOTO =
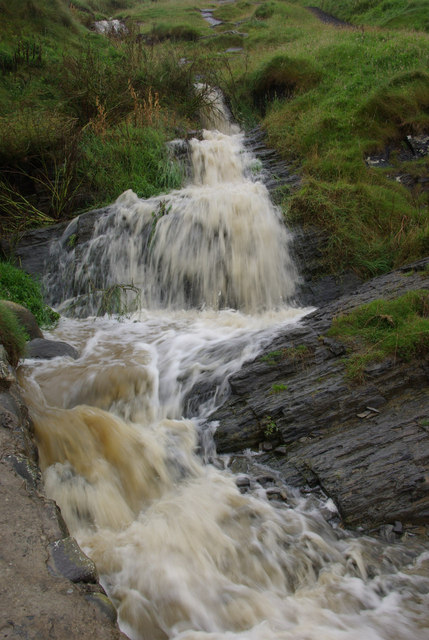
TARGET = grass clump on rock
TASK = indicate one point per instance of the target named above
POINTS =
(396, 328)
(12, 335)
(17, 286)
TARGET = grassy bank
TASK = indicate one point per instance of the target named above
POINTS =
(391, 14)
(328, 98)
(85, 116)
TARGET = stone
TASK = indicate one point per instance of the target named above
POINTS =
(47, 349)
(25, 318)
(7, 375)
(68, 560)
(365, 444)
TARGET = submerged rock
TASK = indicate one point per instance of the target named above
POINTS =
(48, 349)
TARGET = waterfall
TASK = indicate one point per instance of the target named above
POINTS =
(217, 243)
(182, 552)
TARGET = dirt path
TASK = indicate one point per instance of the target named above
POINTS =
(328, 19)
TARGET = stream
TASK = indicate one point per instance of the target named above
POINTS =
(204, 280)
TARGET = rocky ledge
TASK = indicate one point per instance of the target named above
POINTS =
(366, 445)
(50, 587)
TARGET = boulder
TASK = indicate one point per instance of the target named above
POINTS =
(47, 349)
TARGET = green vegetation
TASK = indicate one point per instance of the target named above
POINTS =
(392, 14)
(19, 287)
(85, 116)
(278, 387)
(273, 357)
(397, 328)
(270, 426)
(12, 335)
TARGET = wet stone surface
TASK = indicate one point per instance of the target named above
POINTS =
(365, 445)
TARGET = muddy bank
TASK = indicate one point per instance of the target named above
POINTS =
(50, 587)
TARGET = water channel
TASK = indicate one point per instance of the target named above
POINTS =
(182, 553)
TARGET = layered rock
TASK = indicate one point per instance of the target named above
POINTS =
(366, 445)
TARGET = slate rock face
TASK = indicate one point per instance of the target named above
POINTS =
(366, 445)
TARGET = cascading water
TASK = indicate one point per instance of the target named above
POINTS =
(182, 553)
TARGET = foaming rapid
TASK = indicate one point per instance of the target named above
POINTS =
(182, 553)
(218, 243)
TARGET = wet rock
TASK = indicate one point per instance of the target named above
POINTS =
(47, 349)
(398, 528)
(25, 318)
(7, 374)
(364, 444)
(68, 560)
(110, 27)
(207, 15)
(33, 251)
(242, 481)
(275, 493)
(103, 603)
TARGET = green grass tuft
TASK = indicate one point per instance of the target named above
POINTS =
(281, 77)
(397, 328)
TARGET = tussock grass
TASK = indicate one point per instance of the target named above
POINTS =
(396, 328)
(281, 78)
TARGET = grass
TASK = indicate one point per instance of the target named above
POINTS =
(84, 116)
(12, 335)
(79, 110)
(396, 328)
(392, 14)
(278, 387)
(368, 89)
(19, 287)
